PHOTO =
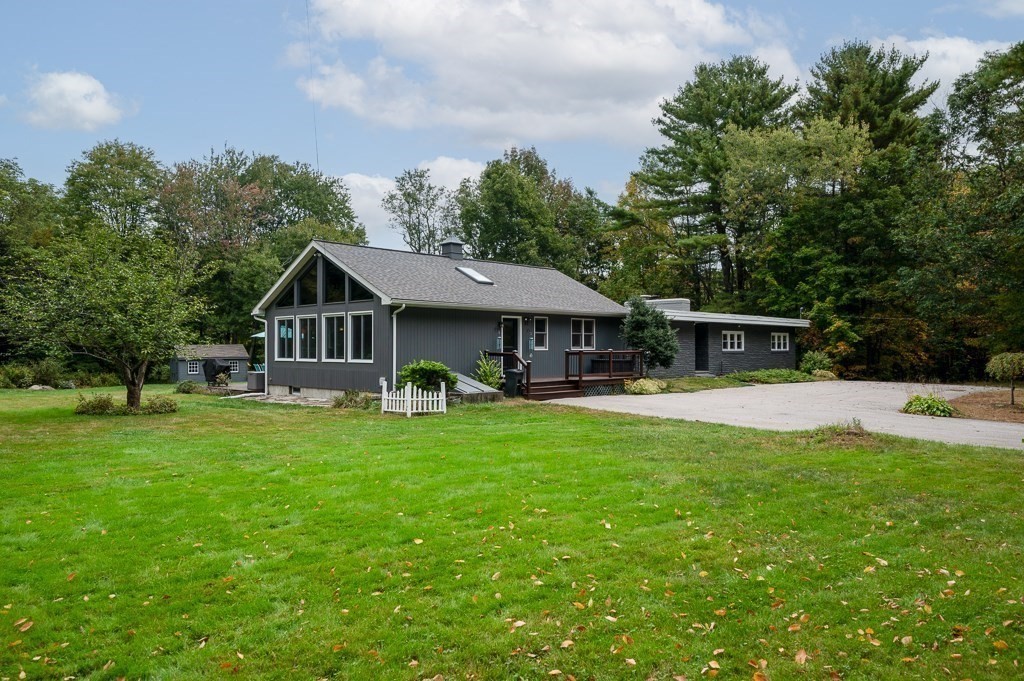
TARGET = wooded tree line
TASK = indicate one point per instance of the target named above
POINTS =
(897, 230)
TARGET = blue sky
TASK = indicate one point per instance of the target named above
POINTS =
(396, 84)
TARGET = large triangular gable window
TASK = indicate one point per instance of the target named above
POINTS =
(334, 284)
(357, 291)
(307, 286)
(287, 298)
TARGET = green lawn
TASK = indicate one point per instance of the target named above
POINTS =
(240, 540)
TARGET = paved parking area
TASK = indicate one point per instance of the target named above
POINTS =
(804, 406)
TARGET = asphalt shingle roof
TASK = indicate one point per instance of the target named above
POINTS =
(413, 278)
(214, 351)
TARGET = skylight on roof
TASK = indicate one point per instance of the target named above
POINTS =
(474, 275)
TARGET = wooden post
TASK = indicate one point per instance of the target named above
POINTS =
(408, 400)
(444, 399)
(383, 395)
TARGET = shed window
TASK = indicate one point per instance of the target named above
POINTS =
(334, 284)
(360, 326)
(732, 341)
(307, 338)
(540, 333)
(307, 286)
(357, 292)
(334, 337)
(233, 364)
(193, 367)
(285, 338)
(780, 342)
(582, 336)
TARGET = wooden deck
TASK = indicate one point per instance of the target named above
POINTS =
(583, 368)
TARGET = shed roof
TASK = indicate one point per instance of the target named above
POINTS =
(232, 351)
(737, 319)
(421, 280)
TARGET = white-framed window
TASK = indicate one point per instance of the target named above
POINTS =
(780, 342)
(307, 338)
(193, 367)
(732, 341)
(583, 336)
(334, 337)
(233, 365)
(540, 333)
(284, 344)
(360, 337)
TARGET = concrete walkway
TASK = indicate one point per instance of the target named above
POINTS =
(804, 406)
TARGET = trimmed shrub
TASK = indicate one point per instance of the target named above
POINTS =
(427, 375)
(771, 376)
(928, 405)
(97, 405)
(161, 404)
(824, 375)
(488, 371)
(352, 399)
(645, 386)
(65, 385)
(815, 361)
(188, 388)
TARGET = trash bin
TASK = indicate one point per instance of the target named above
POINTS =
(512, 377)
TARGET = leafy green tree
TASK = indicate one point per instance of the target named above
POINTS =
(1007, 366)
(423, 213)
(647, 328)
(115, 184)
(504, 216)
(121, 300)
(856, 83)
(685, 174)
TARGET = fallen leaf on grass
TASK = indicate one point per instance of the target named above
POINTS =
(801, 656)
(417, 541)
(566, 643)
(630, 661)
(496, 576)
(998, 645)
(72, 576)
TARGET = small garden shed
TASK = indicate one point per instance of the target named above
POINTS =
(187, 364)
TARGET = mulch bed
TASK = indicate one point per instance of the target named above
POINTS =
(991, 405)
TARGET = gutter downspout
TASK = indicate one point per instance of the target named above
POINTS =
(266, 339)
(394, 346)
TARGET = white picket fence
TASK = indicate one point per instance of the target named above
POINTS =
(412, 400)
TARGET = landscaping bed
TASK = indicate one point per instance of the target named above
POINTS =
(990, 405)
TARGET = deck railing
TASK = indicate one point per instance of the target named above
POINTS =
(583, 365)
(513, 360)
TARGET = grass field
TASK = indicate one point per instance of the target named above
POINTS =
(240, 540)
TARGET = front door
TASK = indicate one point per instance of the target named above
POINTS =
(511, 339)
(700, 347)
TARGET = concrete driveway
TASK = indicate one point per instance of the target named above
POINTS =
(804, 406)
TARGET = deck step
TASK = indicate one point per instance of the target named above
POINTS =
(544, 395)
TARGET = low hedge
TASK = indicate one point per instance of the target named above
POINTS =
(104, 405)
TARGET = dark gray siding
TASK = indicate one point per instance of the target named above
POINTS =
(330, 375)
(757, 353)
(685, 358)
(456, 337)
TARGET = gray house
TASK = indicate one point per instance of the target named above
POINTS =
(349, 317)
(187, 364)
(713, 343)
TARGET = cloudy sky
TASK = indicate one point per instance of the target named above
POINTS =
(438, 84)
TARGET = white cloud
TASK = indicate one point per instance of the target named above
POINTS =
(71, 100)
(3, 100)
(948, 58)
(449, 172)
(524, 69)
(1003, 8)
(367, 192)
